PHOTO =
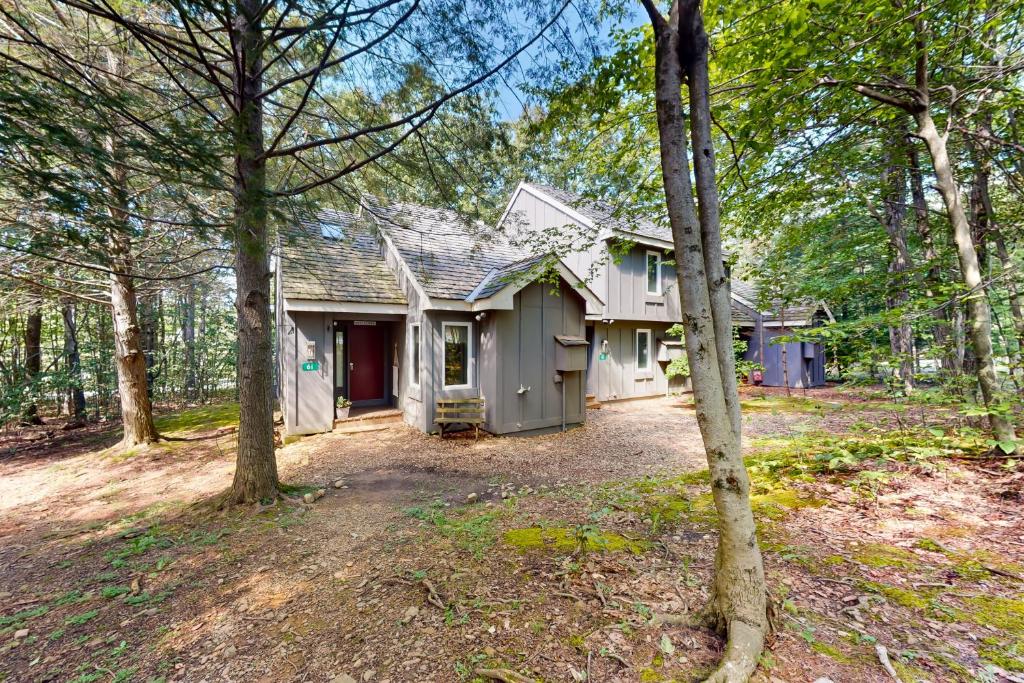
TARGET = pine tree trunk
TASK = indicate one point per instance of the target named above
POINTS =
(256, 465)
(75, 397)
(148, 321)
(188, 338)
(738, 606)
(33, 361)
(894, 201)
(130, 361)
(978, 311)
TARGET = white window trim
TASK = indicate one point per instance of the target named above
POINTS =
(416, 334)
(636, 351)
(657, 285)
(469, 356)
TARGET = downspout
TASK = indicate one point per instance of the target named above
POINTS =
(562, 374)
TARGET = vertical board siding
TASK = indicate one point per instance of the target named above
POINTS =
(627, 297)
(617, 376)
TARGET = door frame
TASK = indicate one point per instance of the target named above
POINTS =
(344, 327)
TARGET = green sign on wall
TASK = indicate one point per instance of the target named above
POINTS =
(310, 366)
(603, 356)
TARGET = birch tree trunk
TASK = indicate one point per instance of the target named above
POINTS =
(738, 606)
(979, 314)
(256, 466)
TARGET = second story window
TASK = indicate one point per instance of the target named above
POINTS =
(654, 272)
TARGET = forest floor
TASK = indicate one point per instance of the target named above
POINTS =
(884, 527)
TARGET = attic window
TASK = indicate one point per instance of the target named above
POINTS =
(331, 231)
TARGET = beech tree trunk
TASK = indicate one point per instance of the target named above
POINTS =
(33, 360)
(979, 314)
(894, 202)
(738, 606)
(256, 465)
(75, 397)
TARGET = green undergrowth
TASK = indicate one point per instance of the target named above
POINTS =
(202, 418)
(470, 529)
(566, 539)
(788, 404)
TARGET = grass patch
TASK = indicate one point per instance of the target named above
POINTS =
(469, 530)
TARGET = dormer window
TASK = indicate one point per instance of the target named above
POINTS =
(654, 273)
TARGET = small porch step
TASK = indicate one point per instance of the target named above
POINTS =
(365, 417)
(592, 402)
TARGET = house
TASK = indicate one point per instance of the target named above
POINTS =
(405, 305)
(803, 362)
(627, 261)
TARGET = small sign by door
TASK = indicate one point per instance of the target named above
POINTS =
(602, 356)
(311, 366)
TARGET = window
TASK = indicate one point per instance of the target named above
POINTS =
(414, 344)
(458, 350)
(643, 350)
(653, 272)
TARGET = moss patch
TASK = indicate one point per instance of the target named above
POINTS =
(565, 539)
(1005, 614)
(921, 600)
(881, 555)
(832, 652)
(198, 419)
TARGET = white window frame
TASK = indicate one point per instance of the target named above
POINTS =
(657, 269)
(416, 336)
(469, 355)
(636, 350)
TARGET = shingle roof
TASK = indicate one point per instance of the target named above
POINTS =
(349, 269)
(797, 313)
(448, 256)
(604, 214)
(498, 279)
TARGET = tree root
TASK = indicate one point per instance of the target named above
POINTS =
(742, 652)
(504, 675)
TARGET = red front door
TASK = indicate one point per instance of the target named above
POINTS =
(367, 347)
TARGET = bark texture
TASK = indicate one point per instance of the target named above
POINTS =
(894, 203)
(256, 465)
(978, 311)
(738, 606)
(33, 359)
(74, 404)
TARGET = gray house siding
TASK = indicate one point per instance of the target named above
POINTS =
(617, 376)
(308, 395)
(805, 360)
(589, 263)
(626, 297)
(524, 341)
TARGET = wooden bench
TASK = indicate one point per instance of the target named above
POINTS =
(469, 411)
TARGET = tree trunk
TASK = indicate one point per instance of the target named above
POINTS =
(148, 321)
(33, 362)
(1016, 300)
(136, 410)
(894, 202)
(978, 311)
(188, 338)
(256, 465)
(783, 350)
(738, 605)
(933, 276)
(75, 397)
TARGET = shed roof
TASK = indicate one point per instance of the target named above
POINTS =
(346, 268)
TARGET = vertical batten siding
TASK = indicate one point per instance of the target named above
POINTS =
(526, 339)
(617, 376)
(312, 391)
(532, 214)
(627, 297)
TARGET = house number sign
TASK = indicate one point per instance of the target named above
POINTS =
(311, 366)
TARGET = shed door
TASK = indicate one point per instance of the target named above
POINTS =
(367, 348)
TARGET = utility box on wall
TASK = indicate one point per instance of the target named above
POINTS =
(570, 353)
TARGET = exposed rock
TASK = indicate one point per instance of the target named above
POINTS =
(472, 498)
(21, 633)
(338, 483)
(343, 678)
